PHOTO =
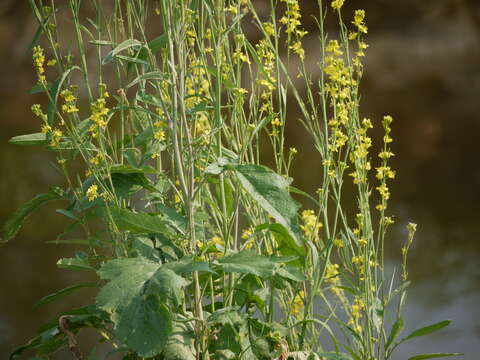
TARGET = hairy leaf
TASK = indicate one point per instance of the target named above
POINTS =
(127, 220)
(138, 297)
(248, 262)
(270, 190)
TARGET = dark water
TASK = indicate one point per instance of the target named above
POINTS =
(422, 68)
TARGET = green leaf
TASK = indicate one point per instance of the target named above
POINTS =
(75, 264)
(270, 191)
(427, 330)
(248, 262)
(29, 140)
(174, 219)
(154, 75)
(285, 242)
(127, 169)
(14, 223)
(188, 265)
(64, 292)
(397, 328)
(126, 185)
(432, 356)
(154, 45)
(127, 44)
(144, 247)
(127, 220)
(181, 343)
(291, 273)
(138, 298)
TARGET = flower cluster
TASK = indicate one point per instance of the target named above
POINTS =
(311, 226)
(92, 192)
(267, 79)
(292, 22)
(356, 311)
(70, 101)
(298, 304)
(99, 112)
(39, 64)
(384, 171)
(337, 4)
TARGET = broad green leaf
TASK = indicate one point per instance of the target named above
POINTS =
(127, 44)
(127, 220)
(433, 356)
(227, 315)
(292, 273)
(397, 328)
(248, 262)
(188, 265)
(427, 330)
(126, 185)
(181, 343)
(29, 139)
(64, 292)
(174, 219)
(286, 244)
(137, 297)
(143, 246)
(270, 190)
(14, 223)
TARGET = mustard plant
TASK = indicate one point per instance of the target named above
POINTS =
(161, 115)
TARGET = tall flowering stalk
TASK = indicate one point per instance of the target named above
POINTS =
(161, 116)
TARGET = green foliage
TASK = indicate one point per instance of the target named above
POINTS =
(201, 251)
(141, 296)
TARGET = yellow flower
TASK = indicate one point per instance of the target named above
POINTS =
(70, 102)
(337, 4)
(96, 159)
(216, 240)
(311, 226)
(38, 63)
(338, 243)
(92, 192)
(297, 48)
(362, 241)
(269, 29)
(247, 233)
(298, 304)
(232, 9)
(239, 56)
(358, 21)
(51, 62)
(56, 136)
(159, 135)
(276, 122)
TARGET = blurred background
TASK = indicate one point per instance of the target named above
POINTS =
(422, 67)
